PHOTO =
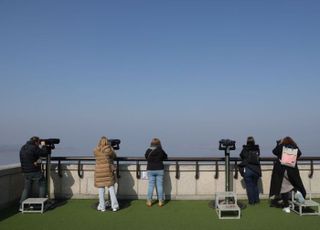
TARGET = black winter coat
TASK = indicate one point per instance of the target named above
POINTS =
(155, 158)
(29, 154)
(278, 173)
(250, 158)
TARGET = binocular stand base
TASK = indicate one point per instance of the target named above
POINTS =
(226, 205)
(34, 205)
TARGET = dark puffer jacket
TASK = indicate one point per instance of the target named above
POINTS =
(29, 154)
(155, 157)
(250, 158)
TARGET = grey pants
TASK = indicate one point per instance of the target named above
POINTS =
(37, 180)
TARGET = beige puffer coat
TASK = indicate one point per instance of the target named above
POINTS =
(104, 169)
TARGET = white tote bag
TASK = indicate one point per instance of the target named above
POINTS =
(144, 175)
(289, 156)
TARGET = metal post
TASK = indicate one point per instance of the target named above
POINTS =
(227, 169)
(48, 172)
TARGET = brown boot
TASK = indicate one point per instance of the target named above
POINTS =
(149, 203)
(161, 203)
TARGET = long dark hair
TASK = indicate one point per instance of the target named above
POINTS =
(250, 141)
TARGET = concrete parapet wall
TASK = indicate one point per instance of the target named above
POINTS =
(185, 187)
(128, 186)
(11, 185)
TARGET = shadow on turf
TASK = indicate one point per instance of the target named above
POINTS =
(6, 213)
(122, 203)
(53, 204)
(13, 210)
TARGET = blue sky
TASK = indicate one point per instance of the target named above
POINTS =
(188, 72)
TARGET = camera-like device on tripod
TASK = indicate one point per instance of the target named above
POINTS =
(50, 143)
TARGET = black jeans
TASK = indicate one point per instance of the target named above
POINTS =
(285, 198)
(36, 179)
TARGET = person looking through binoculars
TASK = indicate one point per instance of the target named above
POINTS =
(250, 169)
(104, 173)
(30, 158)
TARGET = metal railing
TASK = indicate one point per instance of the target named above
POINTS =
(80, 161)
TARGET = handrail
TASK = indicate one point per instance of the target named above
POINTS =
(216, 176)
(137, 160)
(235, 170)
(59, 168)
(92, 158)
(177, 170)
(311, 169)
(80, 169)
(197, 170)
(138, 173)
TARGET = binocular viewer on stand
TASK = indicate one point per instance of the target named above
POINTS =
(226, 202)
(227, 144)
(115, 143)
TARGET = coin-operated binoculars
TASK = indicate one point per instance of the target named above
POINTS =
(49, 145)
(226, 202)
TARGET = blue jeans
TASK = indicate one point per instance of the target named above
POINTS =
(155, 178)
(251, 179)
(36, 179)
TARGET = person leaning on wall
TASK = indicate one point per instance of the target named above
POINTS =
(250, 169)
(155, 156)
(104, 173)
(285, 179)
(30, 158)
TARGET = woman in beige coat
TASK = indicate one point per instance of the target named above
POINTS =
(104, 173)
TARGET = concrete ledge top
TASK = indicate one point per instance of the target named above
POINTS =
(10, 169)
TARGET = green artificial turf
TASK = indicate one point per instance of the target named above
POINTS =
(195, 215)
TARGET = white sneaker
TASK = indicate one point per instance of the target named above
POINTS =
(286, 209)
(115, 209)
(101, 209)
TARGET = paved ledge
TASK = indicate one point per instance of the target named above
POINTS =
(10, 169)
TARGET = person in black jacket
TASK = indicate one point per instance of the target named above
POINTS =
(155, 156)
(30, 155)
(250, 169)
(284, 178)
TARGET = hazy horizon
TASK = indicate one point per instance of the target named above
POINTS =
(187, 72)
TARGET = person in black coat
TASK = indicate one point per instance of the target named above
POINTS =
(30, 155)
(285, 178)
(155, 156)
(250, 169)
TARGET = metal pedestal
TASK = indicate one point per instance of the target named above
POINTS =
(226, 205)
(34, 205)
(309, 207)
